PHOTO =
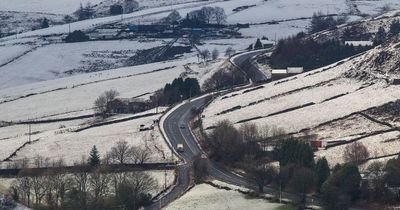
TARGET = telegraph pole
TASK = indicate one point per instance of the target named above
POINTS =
(165, 179)
(30, 131)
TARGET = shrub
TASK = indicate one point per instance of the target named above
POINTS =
(77, 36)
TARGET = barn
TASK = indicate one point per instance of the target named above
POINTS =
(125, 106)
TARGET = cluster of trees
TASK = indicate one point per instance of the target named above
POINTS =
(224, 78)
(206, 15)
(92, 186)
(320, 22)
(246, 148)
(180, 89)
(345, 185)
(310, 54)
(206, 55)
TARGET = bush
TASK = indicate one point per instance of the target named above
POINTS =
(116, 9)
(77, 36)
(295, 152)
(342, 187)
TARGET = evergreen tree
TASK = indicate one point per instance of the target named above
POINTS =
(44, 23)
(322, 172)
(94, 157)
(380, 36)
(258, 44)
(394, 28)
(295, 152)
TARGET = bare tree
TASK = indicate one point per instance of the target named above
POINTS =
(262, 174)
(229, 52)
(135, 190)
(39, 188)
(215, 54)
(208, 14)
(41, 162)
(200, 169)
(101, 103)
(80, 184)
(121, 152)
(140, 155)
(219, 15)
(205, 54)
(99, 184)
(355, 152)
(130, 6)
(23, 185)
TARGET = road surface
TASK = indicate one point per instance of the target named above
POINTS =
(243, 61)
(176, 131)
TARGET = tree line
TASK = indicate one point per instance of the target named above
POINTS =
(255, 150)
(310, 54)
(93, 187)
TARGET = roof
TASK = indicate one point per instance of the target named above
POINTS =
(279, 71)
(264, 42)
(130, 100)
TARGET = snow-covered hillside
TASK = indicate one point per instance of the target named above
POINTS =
(314, 102)
(205, 196)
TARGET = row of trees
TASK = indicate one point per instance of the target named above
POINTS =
(92, 186)
(310, 54)
(206, 15)
(95, 189)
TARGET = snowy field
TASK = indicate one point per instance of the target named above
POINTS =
(59, 140)
(9, 52)
(206, 197)
(58, 60)
(47, 6)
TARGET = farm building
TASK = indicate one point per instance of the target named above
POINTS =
(359, 43)
(133, 105)
(282, 73)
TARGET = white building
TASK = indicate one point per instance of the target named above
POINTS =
(359, 43)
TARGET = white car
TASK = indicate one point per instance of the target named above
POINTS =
(179, 147)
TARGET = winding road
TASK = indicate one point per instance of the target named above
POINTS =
(174, 125)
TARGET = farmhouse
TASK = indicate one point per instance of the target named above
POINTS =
(281, 73)
(132, 105)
